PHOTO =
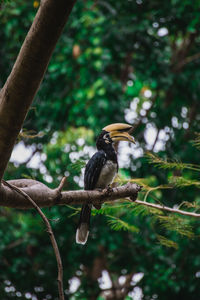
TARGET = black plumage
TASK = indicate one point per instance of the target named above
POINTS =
(99, 173)
(93, 169)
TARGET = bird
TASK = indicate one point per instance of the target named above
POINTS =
(101, 170)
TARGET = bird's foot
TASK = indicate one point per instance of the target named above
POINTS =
(108, 190)
(133, 197)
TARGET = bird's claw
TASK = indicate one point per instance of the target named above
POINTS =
(108, 190)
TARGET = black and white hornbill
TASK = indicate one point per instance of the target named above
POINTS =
(101, 169)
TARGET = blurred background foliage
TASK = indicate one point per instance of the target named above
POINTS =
(116, 61)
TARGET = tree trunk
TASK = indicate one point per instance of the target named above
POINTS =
(21, 86)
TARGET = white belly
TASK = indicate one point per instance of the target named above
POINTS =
(107, 174)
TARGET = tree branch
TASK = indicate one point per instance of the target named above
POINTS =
(156, 139)
(21, 86)
(46, 197)
(187, 60)
(166, 208)
(50, 232)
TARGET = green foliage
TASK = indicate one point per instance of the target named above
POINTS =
(118, 224)
(179, 181)
(166, 242)
(177, 224)
(196, 142)
(166, 164)
(109, 57)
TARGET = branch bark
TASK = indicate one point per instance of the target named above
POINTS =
(169, 209)
(21, 86)
(46, 197)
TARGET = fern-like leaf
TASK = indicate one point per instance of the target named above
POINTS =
(166, 242)
(177, 224)
(118, 224)
(180, 181)
(106, 209)
(196, 142)
(78, 165)
(170, 164)
(138, 209)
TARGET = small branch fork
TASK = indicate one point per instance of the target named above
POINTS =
(50, 232)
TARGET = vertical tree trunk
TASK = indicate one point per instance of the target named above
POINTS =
(21, 86)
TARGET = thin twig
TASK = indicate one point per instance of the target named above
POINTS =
(33, 153)
(156, 139)
(166, 208)
(187, 60)
(51, 235)
(62, 182)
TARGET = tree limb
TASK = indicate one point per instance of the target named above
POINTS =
(46, 197)
(166, 208)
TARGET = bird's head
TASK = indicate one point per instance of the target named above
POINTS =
(114, 133)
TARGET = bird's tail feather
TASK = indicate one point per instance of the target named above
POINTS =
(84, 224)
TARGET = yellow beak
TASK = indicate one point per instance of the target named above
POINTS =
(118, 127)
(121, 136)
(119, 132)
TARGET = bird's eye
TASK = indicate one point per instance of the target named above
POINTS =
(106, 136)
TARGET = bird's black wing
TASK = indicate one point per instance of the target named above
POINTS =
(93, 169)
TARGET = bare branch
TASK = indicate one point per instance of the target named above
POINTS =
(188, 60)
(166, 208)
(51, 235)
(155, 141)
(60, 187)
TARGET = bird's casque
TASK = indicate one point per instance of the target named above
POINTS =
(101, 169)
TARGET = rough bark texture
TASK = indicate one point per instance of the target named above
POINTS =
(21, 86)
(46, 197)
